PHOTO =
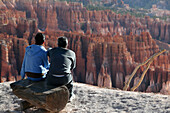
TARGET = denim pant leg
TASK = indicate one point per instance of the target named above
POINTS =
(59, 81)
(70, 88)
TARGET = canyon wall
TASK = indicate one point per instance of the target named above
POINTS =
(101, 60)
(18, 17)
(12, 51)
(108, 46)
(108, 61)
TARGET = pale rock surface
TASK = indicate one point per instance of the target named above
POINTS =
(92, 99)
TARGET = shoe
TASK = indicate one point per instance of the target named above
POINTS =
(72, 98)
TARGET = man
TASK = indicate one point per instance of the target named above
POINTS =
(63, 61)
(35, 61)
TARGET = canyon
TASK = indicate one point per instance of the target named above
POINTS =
(108, 46)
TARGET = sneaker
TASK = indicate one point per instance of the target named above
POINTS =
(72, 98)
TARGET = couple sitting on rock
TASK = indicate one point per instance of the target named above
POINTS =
(58, 72)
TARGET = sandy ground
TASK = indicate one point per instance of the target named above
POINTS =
(91, 99)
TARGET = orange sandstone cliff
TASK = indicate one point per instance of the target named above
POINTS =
(108, 46)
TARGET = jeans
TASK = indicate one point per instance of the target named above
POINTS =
(59, 81)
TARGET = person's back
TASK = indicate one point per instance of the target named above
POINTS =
(62, 62)
(35, 61)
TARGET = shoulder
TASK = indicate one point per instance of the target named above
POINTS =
(29, 46)
(42, 49)
(52, 50)
(71, 52)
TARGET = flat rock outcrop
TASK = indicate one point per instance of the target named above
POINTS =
(93, 99)
(41, 95)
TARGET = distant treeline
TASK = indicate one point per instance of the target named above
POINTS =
(147, 4)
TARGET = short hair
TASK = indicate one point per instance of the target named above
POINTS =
(39, 39)
(62, 41)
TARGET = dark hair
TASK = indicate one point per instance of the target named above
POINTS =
(62, 42)
(39, 39)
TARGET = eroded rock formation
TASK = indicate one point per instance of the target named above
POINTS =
(26, 15)
(11, 55)
(108, 45)
(105, 60)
